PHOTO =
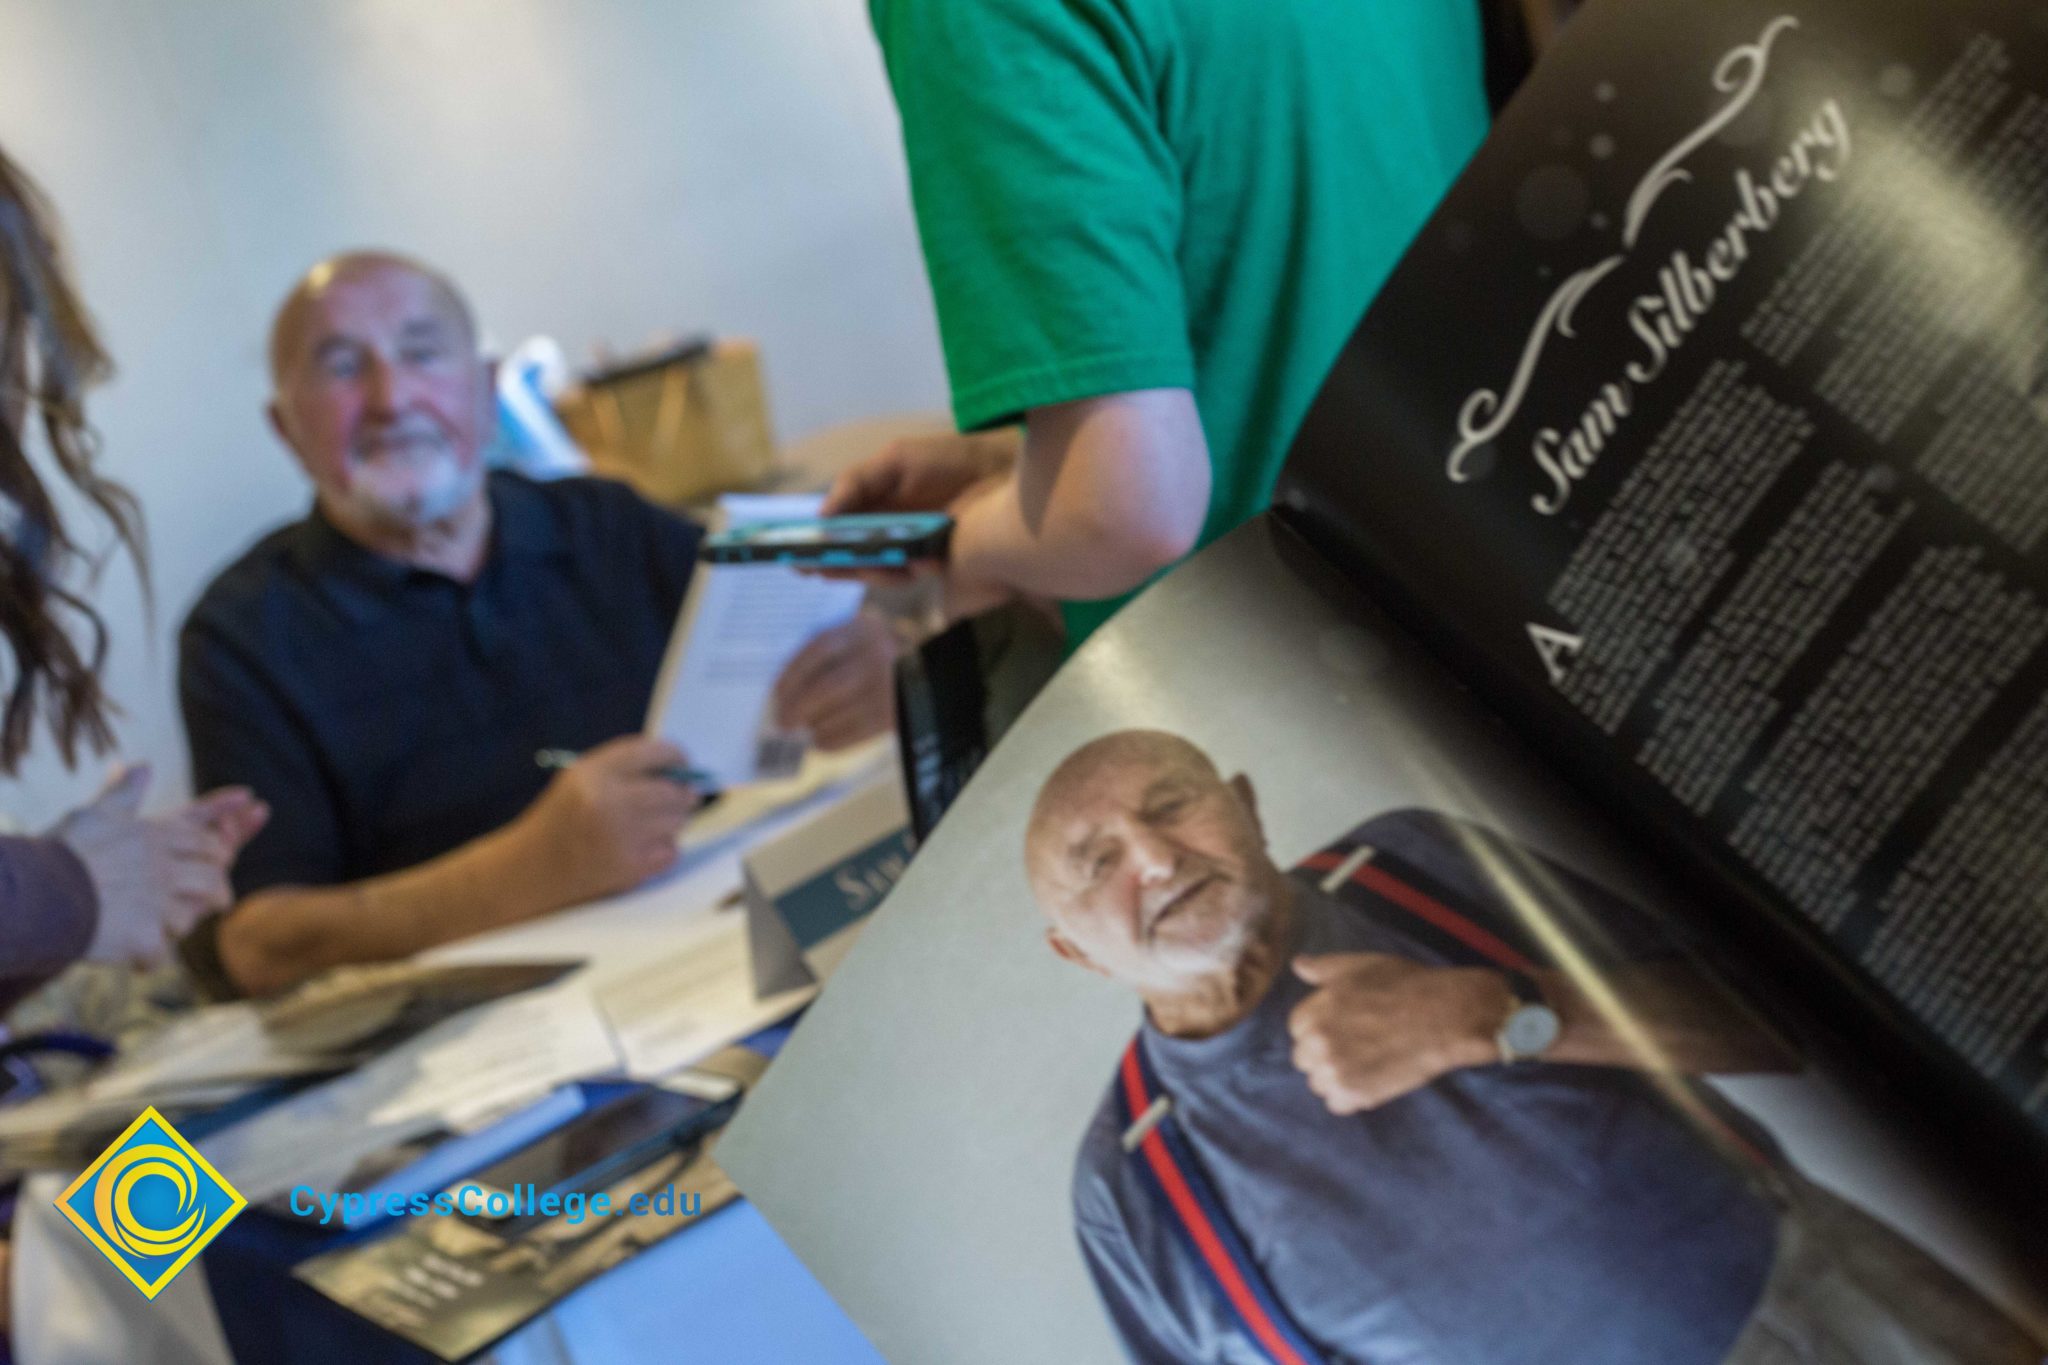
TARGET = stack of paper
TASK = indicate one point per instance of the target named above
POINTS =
(504, 1056)
(456, 1075)
(683, 1007)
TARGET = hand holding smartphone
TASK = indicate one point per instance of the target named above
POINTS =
(877, 540)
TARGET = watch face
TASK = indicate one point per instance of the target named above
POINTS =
(1529, 1031)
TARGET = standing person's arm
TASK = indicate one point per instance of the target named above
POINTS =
(1049, 207)
(1104, 493)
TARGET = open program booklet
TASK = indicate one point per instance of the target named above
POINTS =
(1567, 886)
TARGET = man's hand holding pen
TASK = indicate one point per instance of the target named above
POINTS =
(611, 818)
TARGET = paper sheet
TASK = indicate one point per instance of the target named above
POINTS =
(517, 1051)
(739, 625)
(688, 1004)
(742, 810)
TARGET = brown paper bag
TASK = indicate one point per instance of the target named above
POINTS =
(682, 426)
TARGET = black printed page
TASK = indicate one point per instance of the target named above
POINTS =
(1705, 431)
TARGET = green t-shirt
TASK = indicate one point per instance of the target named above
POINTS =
(1202, 194)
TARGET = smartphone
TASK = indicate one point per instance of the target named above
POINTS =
(876, 540)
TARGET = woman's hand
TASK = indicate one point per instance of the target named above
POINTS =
(155, 876)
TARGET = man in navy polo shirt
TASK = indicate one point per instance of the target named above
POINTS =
(1423, 1155)
(383, 671)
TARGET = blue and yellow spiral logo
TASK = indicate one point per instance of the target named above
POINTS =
(150, 1203)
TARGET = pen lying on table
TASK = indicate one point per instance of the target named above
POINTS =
(687, 777)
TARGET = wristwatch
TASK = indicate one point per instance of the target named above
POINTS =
(1531, 1026)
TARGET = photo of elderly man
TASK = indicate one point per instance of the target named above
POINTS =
(1368, 1117)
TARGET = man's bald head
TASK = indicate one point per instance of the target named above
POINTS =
(300, 305)
(1149, 864)
(1153, 751)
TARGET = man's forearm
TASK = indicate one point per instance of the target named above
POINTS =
(998, 554)
(276, 938)
(1657, 1017)
(1377, 1027)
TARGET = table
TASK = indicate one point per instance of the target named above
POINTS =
(723, 1290)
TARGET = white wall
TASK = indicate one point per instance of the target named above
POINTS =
(599, 170)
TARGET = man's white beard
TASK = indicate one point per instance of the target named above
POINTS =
(412, 493)
(1173, 967)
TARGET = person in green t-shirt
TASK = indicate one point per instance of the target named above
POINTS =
(1150, 226)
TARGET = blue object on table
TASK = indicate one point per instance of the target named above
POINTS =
(769, 1040)
(22, 1080)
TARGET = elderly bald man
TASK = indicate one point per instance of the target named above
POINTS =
(384, 669)
(1418, 1152)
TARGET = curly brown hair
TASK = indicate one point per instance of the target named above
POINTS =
(49, 356)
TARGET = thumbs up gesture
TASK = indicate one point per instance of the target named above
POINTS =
(1376, 1027)
(155, 876)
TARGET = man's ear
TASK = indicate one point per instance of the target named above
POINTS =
(1069, 951)
(275, 415)
(1242, 785)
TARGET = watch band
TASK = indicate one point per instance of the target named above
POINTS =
(1524, 986)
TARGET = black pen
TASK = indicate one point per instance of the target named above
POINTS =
(684, 777)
